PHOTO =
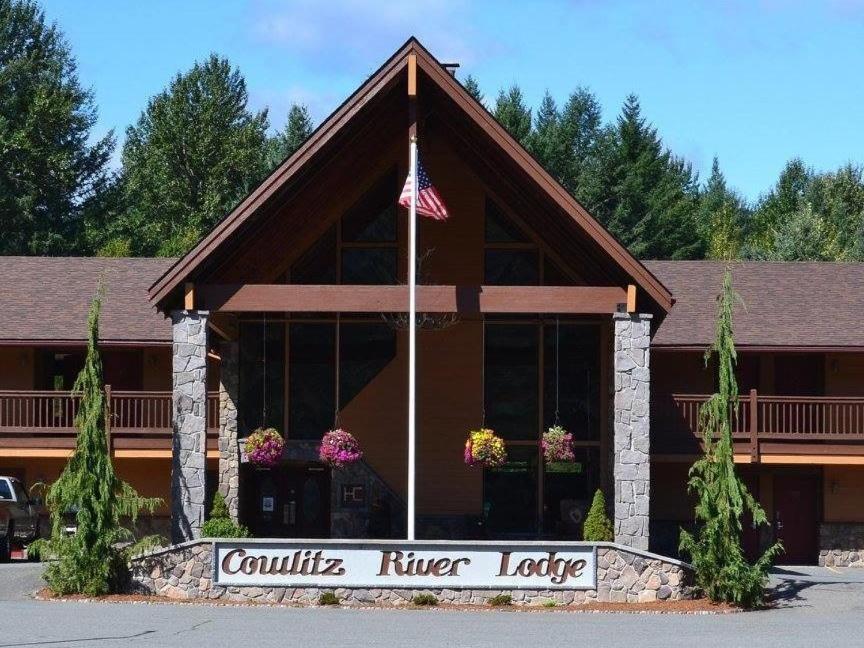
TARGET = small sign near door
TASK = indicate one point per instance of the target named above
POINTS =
(353, 495)
(267, 504)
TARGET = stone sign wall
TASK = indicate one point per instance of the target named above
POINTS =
(841, 545)
(620, 574)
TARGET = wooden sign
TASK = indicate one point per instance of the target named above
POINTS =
(433, 565)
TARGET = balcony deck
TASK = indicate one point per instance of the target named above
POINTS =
(764, 425)
(139, 422)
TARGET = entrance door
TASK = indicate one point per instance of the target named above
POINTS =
(287, 502)
(795, 499)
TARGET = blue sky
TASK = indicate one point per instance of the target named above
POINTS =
(754, 82)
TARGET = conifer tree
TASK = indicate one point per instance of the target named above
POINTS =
(722, 570)
(298, 128)
(546, 142)
(473, 88)
(598, 527)
(87, 561)
(513, 114)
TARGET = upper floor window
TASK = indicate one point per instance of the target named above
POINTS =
(512, 258)
(362, 248)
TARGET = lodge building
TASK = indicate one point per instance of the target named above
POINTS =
(291, 313)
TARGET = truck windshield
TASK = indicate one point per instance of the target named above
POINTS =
(5, 491)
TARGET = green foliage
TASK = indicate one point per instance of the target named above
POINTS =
(550, 604)
(473, 88)
(89, 561)
(49, 169)
(501, 600)
(36, 550)
(721, 217)
(425, 599)
(220, 524)
(328, 598)
(598, 527)
(193, 154)
(513, 114)
(298, 128)
(722, 570)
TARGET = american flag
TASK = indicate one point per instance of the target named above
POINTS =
(429, 201)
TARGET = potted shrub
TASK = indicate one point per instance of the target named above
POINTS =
(264, 447)
(485, 449)
(557, 445)
(339, 448)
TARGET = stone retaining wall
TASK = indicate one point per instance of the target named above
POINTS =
(185, 571)
(841, 545)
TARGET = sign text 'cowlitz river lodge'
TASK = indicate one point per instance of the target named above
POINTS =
(321, 563)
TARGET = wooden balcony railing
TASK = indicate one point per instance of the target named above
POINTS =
(759, 418)
(136, 419)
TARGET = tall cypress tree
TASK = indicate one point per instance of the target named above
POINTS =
(88, 561)
(722, 570)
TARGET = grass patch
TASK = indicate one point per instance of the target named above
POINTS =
(425, 599)
(501, 599)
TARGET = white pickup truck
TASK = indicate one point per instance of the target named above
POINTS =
(19, 518)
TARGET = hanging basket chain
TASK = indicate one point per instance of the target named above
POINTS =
(557, 368)
(338, 371)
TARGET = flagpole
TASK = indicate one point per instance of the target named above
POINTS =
(412, 339)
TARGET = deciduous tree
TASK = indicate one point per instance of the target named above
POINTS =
(49, 169)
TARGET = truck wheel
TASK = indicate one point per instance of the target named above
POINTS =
(5, 546)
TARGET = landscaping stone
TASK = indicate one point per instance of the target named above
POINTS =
(841, 544)
(190, 567)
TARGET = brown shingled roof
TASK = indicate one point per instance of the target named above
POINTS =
(785, 304)
(46, 299)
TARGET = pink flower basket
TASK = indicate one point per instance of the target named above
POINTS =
(264, 447)
(339, 448)
(557, 445)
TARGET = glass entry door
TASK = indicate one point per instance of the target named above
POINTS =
(287, 502)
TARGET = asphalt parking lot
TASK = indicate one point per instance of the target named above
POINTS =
(813, 606)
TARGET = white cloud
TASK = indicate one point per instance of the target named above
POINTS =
(325, 35)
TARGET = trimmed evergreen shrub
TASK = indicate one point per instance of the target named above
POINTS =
(501, 599)
(328, 598)
(598, 527)
(220, 524)
(425, 599)
(722, 570)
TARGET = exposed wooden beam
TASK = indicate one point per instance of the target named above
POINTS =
(631, 298)
(252, 298)
(225, 325)
(412, 75)
(189, 296)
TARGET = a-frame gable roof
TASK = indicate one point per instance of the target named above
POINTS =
(380, 81)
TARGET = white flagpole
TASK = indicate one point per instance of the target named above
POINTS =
(412, 340)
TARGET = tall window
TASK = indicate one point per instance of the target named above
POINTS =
(532, 369)
(364, 350)
(362, 248)
(512, 258)
(262, 376)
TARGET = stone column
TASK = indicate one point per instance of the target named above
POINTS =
(189, 441)
(229, 452)
(631, 451)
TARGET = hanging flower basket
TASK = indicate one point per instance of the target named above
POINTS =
(264, 447)
(557, 444)
(339, 448)
(483, 448)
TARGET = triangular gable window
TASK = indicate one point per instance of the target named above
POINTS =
(499, 228)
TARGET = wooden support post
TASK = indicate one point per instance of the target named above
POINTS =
(108, 415)
(631, 298)
(412, 75)
(754, 427)
(189, 296)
